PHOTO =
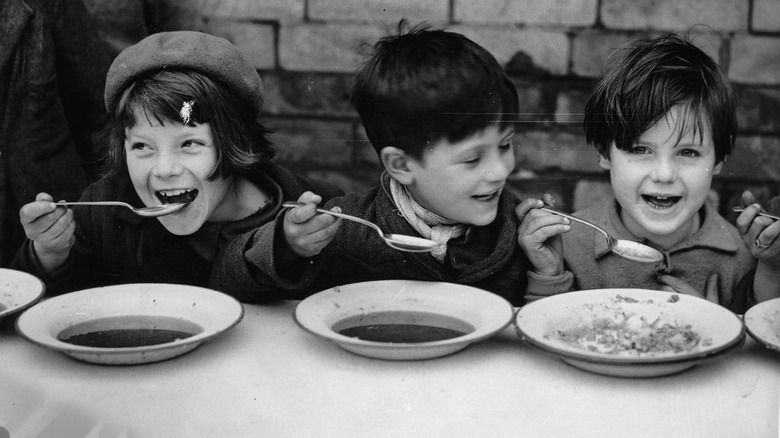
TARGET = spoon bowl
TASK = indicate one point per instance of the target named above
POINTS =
(400, 242)
(624, 248)
(154, 211)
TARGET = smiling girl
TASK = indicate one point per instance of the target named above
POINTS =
(183, 110)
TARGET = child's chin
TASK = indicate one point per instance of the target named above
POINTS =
(177, 226)
(483, 220)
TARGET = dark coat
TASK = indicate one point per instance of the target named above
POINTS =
(115, 246)
(52, 74)
(490, 258)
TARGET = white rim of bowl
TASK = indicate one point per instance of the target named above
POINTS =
(207, 333)
(475, 336)
(29, 303)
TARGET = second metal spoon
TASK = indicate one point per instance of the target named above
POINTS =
(400, 242)
(624, 248)
(760, 213)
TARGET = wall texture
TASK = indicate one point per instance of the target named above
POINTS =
(307, 50)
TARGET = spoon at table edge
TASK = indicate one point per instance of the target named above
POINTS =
(739, 209)
(400, 242)
(154, 211)
(624, 248)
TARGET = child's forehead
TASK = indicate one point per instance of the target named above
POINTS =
(681, 125)
(150, 115)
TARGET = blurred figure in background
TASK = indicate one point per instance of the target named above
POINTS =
(52, 74)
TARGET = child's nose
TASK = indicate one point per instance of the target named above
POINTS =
(664, 170)
(167, 164)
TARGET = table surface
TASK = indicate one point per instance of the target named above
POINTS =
(268, 377)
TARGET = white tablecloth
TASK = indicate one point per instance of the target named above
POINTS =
(268, 378)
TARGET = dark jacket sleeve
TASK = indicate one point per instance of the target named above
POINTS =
(252, 266)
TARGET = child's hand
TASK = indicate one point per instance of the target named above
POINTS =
(306, 231)
(51, 228)
(674, 284)
(539, 235)
(759, 233)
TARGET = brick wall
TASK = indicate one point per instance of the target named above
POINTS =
(307, 50)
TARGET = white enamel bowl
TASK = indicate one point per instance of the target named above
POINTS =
(763, 323)
(483, 312)
(202, 313)
(18, 291)
(721, 330)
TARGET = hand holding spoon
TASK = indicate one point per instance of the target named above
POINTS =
(400, 242)
(624, 248)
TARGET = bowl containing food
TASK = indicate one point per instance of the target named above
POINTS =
(630, 332)
(403, 319)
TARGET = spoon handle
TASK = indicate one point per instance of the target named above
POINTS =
(341, 215)
(761, 213)
(576, 219)
(117, 203)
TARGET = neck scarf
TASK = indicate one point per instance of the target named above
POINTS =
(429, 224)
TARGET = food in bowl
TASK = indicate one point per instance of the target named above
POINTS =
(618, 327)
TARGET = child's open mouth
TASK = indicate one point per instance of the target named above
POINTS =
(661, 202)
(176, 196)
(487, 197)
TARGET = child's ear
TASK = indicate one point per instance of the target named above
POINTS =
(718, 167)
(396, 163)
(603, 162)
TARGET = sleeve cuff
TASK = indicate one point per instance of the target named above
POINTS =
(540, 286)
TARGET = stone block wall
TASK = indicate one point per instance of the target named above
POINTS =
(307, 50)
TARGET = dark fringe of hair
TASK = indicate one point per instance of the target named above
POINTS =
(645, 79)
(239, 137)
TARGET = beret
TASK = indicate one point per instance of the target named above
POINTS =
(212, 56)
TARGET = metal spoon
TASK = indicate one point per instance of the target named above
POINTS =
(624, 248)
(157, 210)
(760, 213)
(398, 241)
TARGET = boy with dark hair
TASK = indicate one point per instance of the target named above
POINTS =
(440, 113)
(663, 120)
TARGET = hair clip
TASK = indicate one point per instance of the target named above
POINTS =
(186, 110)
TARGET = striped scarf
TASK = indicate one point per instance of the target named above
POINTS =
(429, 224)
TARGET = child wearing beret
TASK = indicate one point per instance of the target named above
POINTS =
(183, 109)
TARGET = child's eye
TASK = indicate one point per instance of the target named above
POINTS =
(471, 160)
(639, 150)
(689, 153)
(138, 146)
(506, 146)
